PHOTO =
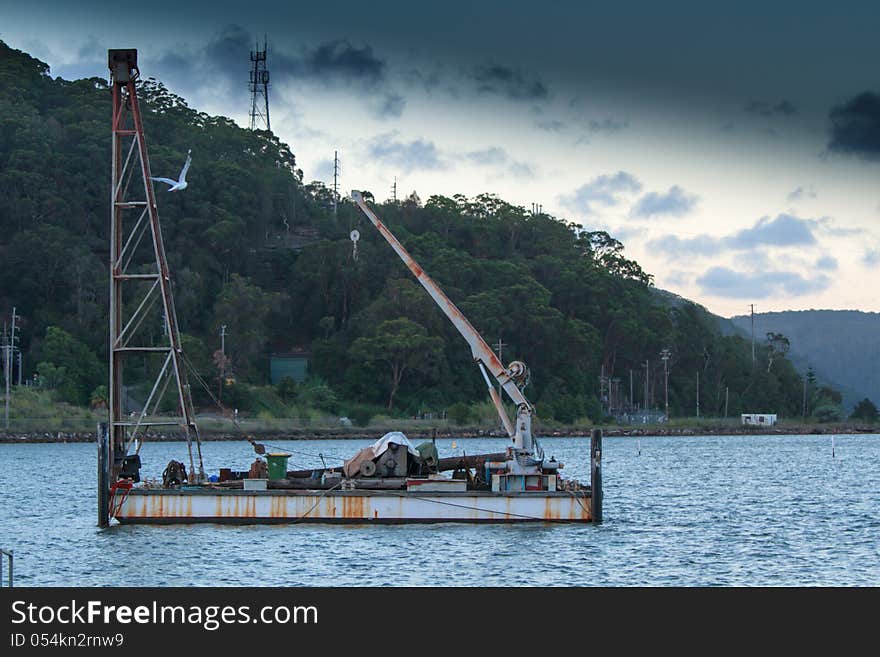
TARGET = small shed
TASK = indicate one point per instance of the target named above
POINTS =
(294, 364)
(759, 419)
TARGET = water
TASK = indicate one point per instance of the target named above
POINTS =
(710, 510)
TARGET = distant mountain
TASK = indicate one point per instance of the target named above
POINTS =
(843, 346)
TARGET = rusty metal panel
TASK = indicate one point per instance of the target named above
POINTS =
(351, 506)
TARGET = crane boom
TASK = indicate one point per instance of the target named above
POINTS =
(482, 352)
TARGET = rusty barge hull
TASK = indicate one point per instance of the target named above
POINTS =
(159, 506)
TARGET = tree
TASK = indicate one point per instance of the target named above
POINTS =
(70, 367)
(404, 347)
(245, 309)
(460, 413)
(777, 346)
(865, 410)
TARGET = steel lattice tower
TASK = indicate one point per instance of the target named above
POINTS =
(139, 267)
(259, 86)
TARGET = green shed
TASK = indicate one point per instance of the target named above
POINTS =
(294, 364)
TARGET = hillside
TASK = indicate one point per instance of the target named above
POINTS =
(843, 346)
(254, 247)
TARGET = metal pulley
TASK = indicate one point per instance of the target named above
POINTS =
(519, 372)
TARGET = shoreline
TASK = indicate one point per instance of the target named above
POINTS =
(34, 437)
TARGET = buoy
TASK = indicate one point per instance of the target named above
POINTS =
(639, 443)
(453, 444)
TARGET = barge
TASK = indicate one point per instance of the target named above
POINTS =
(390, 481)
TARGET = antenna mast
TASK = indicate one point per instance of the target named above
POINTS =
(139, 267)
(259, 86)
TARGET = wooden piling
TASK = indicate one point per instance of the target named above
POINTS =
(103, 476)
(596, 474)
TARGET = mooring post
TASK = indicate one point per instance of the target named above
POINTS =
(103, 476)
(596, 474)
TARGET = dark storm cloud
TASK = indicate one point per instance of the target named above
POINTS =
(332, 62)
(509, 82)
(765, 108)
(676, 202)
(784, 231)
(855, 127)
(724, 282)
(341, 59)
(406, 155)
(605, 190)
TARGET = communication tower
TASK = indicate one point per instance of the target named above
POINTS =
(259, 86)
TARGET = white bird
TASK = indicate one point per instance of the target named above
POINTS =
(180, 184)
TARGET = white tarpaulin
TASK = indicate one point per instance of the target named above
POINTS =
(395, 437)
(352, 465)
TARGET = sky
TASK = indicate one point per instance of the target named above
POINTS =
(734, 150)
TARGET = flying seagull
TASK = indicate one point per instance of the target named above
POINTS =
(177, 185)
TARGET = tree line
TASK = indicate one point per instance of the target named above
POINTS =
(254, 247)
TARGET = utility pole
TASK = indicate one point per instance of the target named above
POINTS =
(335, 182)
(753, 335)
(222, 362)
(394, 190)
(8, 365)
(805, 397)
(664, 355)
(19, 367)
(646, 384)
(726, 391)
(698, 393)
(631, 400)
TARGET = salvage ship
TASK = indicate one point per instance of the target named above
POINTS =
(390, 481)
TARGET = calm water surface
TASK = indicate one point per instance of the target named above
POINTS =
(709, 510)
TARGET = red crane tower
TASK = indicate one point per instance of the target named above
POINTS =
(139, 267)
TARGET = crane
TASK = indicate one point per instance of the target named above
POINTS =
(527, 456)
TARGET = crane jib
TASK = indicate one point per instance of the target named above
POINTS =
(481, 351)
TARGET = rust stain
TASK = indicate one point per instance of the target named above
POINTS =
(250, 508)
(551, 510)
(218, 507)
(236, 511)
(353, 507)
(189, 506)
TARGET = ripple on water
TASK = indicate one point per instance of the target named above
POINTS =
(706, 511)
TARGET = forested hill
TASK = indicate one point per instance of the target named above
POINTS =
(253, 247)
(843, 346)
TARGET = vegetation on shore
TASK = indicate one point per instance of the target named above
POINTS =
(254, 247)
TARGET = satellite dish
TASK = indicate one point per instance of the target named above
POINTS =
(354, 235)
